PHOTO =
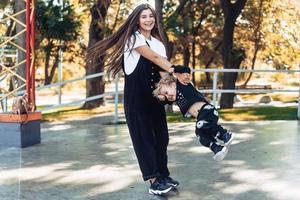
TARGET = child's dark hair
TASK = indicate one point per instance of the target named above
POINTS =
(166, 80)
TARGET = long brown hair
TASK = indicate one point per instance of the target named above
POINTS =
(116, 42)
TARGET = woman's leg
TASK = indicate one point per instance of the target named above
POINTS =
(162, 140)
(144, 143)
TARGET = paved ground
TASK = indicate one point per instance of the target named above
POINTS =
(85, 160)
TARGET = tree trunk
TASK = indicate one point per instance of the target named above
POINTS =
(47, 64)
(207, 74)
(194, 59)
(96, 86)
(54, 66)
(232, 58)
(169, 47)
(21, 40)
(159, 8)
(252, 66)
(257, 36)
(186, 56)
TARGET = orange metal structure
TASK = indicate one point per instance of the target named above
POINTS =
(28, 27)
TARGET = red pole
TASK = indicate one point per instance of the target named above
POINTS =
(33, 52)
(28, 49)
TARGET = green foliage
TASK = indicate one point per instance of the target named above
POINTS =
(283, 39)
(3, 3)
(56, 24)
(246, 114)
(276, 32)
(57, 28)
(198, 21)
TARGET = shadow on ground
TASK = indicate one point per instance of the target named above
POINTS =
(84, 159)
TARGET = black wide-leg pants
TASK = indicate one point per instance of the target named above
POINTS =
(149, 135)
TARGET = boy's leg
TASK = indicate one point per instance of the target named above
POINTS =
(219, 151)
(207, 122)
(205, 139)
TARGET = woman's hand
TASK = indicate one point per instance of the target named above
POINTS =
(184, 78)
(180, 69)
(161, 97)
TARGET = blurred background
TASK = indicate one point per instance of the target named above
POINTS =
(207, 36)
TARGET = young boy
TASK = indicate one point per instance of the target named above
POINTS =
(192, 102)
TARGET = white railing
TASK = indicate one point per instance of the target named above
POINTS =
(215, 91)
(76, 102)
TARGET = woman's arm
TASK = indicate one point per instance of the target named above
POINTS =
(162, 62)
(148, 53)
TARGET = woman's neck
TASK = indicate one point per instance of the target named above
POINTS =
(146, 34)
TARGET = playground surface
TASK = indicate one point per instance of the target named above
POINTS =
(89, 159)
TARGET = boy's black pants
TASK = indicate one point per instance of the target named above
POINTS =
(207, 126)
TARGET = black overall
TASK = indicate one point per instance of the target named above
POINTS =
(146, 119)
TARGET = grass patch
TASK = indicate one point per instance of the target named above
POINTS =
(76, 112)
(285, 98)
(246, 114)
(234, 114)
(259, 113)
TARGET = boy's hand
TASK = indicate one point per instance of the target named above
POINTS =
(184, 78)
(181, 69)
(161, 97)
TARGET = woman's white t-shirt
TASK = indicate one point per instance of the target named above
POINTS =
(131, 58)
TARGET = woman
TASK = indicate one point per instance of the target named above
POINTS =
(137, 47)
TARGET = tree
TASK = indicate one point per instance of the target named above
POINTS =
(57, 28)
(232, 55)
(195, 30)
(106, 16)
(159, 6)
(250, 33)
(97, 28)
(282, 38)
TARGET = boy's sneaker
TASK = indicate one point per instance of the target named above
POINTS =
(168, 180)
(159, 187)
(219, 151)
(225, 138)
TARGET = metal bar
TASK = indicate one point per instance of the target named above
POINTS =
(116, 117)
(13, 17)
(33, 54)
(9, 40)
(59, 75)
(78, 101)
(246, 70)
(12, 72)
(28, 50)
(18, 46)
(70, 81)
(247, 91)
(215, 85)
(62, 83)
(10, 56)
(4, 105)
(298, 114)
(12, 92)
(11, 68)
